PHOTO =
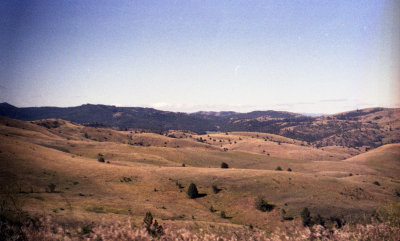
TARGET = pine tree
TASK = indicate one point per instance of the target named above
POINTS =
(224, 165)
(148, 220)
(192, 191)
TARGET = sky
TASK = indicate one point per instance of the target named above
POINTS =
(307, 56)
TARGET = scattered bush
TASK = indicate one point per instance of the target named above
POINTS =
(278, 168)
(178, 185)
(86, 229)
(101, 159)
(125, 179)
(224, 165)
(319, 220)
(306, 217)
(376, 183)
(262, 205)
(212, 209)
(223, 215)
(338, 221)
(215, 189)
(289, 169)
(192, 191)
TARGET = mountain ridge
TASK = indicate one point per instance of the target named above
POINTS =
(366, 127)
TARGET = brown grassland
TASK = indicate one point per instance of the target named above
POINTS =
(49, 171)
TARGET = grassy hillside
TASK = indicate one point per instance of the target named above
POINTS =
(52, 168)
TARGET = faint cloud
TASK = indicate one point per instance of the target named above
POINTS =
(333, 100)
(160, 105)
(237, 68)
(291, 104)
(206, 107)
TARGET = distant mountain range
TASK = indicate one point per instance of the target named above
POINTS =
(138, 117)
(371, 127)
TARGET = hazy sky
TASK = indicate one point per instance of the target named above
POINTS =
(303, 56)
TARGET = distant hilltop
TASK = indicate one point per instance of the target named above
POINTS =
(365, 127)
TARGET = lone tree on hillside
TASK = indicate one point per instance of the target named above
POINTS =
(192, 191)
(224, 165)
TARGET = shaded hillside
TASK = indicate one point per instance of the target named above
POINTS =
(137, 117)
(368, 127)
(123, 117)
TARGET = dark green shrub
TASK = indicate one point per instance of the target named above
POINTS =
(52, 187)
(153, 228)
(377, 183)
(278, 168)
(289, 169)
(224, 165)
(306, 217)
(101, 159)
(283, 213)
(223, 215)
(262, 205)
(192, 191)
(212, 209)
(319, 220)
(86, 229)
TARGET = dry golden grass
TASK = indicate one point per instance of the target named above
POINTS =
(32, 157)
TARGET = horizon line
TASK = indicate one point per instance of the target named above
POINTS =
(192, 112)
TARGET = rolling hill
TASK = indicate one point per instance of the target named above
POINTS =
(368, 128)
(52, 168)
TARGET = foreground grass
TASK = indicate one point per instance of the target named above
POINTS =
(48, 229)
